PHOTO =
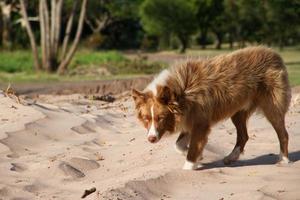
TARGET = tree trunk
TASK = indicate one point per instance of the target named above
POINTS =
(68, 30)
(183, 42)
(203, 38)
(1, 29)
(56, 8)
(230, 40)
(58, 26)
(219, 36)
(65, 62)
(281, 41)
(6, 10)
(50, 28)
(43, 35)
(31, 36)
(47, 35)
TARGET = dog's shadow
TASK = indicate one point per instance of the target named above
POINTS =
(268, 159)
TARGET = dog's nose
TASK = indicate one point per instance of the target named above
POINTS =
(152, 139)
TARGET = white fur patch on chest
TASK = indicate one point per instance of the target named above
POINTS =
(161, 79)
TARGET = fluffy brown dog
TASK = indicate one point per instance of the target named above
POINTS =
(193, 95)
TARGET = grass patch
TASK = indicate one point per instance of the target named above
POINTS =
(17, 66)
(16, 61)
(96, 58)
(22, 61)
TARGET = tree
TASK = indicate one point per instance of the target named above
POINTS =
(176, 17)
(115, 24)
(6, 9)
(231, 13)
(98, 15)
(249, 20)
(218, 22)
(205, 14)
(50, 30)
(103, 12)
(284, 17)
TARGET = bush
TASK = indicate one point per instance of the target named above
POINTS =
(94, 41)
(170, 17)
(149, 43)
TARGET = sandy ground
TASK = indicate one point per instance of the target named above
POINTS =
(55, 147)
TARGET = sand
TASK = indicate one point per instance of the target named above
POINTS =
(56, 147)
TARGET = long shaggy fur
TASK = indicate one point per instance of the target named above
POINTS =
(221, 86)
(193, 95)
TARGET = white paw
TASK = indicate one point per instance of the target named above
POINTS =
(233, 156)
(283, 159)
(191, 165)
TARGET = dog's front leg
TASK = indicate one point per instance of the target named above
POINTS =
(197, 142)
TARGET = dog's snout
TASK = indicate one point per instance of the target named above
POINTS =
(152, 139)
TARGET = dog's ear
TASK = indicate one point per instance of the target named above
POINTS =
(165, 95)
(138, 97)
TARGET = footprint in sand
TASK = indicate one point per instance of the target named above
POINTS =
(13, 155)
(18, 167)
(84, 164)
(85, 128)
(34, 188)
(4, 192)
(69, 170)
(77, 167)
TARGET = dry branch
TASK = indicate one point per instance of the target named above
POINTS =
(9, 92)
(68, 30)
(31, 36)
(58, 11)
(65, 61)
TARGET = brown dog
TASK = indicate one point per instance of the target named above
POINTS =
(193, 95)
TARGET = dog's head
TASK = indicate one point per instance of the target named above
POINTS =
(158, 113)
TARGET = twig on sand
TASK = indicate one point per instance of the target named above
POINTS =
(9, 92)
(107, 98)
(88, 192)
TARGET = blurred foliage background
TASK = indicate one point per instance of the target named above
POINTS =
(119, 36)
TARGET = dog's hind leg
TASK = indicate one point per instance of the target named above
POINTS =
(276, 118)
(182, 143)
(240, 121)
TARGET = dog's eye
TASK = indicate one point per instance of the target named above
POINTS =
(146, 118)
(160, 118)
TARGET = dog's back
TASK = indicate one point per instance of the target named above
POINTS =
(242, 80)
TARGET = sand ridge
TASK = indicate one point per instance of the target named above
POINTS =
(58, 146)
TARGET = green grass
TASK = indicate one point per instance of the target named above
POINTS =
(21, 61)
(16, 66)
(92, 58)
(15, 61)
(21, 77)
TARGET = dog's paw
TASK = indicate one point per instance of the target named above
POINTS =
(191, 165)
(233, 156)
(227, 161)
(283, 160)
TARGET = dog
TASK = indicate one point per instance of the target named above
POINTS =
(191, 96)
